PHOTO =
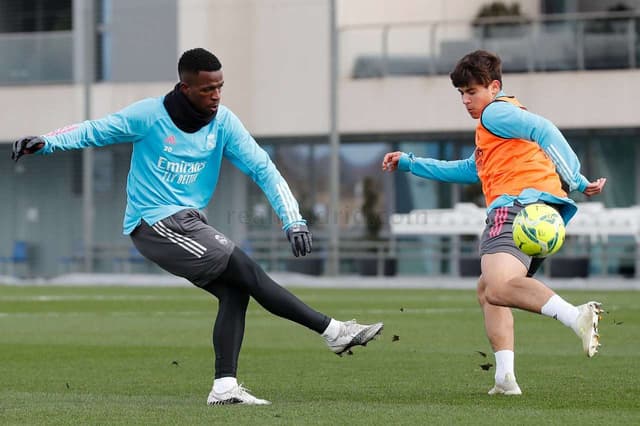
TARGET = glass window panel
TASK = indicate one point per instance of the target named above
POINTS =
(615, 158)
(35, 15)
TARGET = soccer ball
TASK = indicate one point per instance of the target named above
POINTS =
(538, 230)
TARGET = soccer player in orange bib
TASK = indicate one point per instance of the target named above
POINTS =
(520, 158)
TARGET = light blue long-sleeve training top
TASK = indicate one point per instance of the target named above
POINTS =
(172, 170)
(510, 122)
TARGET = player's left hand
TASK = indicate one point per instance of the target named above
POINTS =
(300, 239)
(390, 161)
(26, 145)
(594, 188)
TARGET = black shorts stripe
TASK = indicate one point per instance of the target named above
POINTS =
(178, 241)
(182, 240)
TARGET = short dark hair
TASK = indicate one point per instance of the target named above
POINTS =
(479, 67)
(196, 60)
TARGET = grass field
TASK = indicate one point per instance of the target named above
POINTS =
(117, 355)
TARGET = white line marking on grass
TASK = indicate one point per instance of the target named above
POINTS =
(344, 313)
(97, 297)
(102, 314)
(408, 311)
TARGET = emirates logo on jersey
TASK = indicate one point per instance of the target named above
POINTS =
(179, 172)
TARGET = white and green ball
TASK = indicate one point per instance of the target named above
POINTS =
(538, 230)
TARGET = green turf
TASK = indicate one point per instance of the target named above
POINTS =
(143, 356)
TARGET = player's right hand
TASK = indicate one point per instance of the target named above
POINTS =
(26, 145)
(595, 187)
(390, 161)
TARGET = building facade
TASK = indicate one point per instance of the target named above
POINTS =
(572, 61)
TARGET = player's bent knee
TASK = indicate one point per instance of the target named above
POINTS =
(480, 289)
(493, 293)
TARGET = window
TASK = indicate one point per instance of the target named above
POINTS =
(20, 16)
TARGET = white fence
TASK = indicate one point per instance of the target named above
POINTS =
(592, 220)
(593, 223)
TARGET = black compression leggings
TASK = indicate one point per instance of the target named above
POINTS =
(244, 278)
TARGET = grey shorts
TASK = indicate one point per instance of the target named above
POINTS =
(498, 237)
(185, 245)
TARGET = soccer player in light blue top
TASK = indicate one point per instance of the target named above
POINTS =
(179, 141)
(520, 158)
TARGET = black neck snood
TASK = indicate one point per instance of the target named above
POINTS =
(183, 114)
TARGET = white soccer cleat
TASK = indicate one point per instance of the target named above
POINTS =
(353, 334)
(236, 395)
(507, 387)
(587, 327)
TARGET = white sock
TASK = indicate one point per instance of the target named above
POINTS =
(332, 330)
(224, 384)
(558, 308)
(504, 364)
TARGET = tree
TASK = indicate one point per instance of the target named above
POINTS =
(498, 9)
(370, 213)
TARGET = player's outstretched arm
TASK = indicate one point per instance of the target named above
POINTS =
(244, 152)
(595, 187)
(26, 145)
(457, 171)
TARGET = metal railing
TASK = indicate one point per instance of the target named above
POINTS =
(584, 41)
(448, 255)
(438, 255)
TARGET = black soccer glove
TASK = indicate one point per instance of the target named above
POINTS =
(26, 145)
(300, 239)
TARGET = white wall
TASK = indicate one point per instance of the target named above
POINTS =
(411, 104)
(33, 110)
(419, 104)
(224, 27)
(274, 55)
